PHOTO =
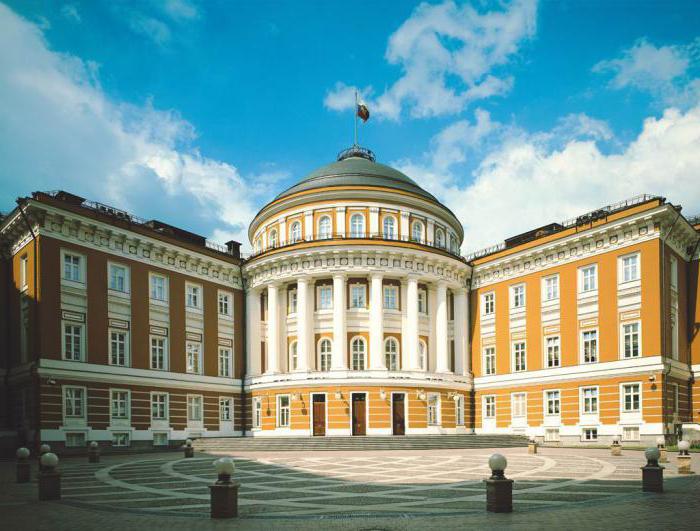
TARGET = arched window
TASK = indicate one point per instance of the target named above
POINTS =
(295, 232)
(357, 226)
(357, 348)
(453, 244)
(391, 354)
(440, 238)
(324, 228)
(293, 356)
(417, 231)
(258, 245)
(325, 348)
(389, 228)
(273, 238)
(422, 349)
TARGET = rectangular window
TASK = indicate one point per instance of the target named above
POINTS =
(193, 296)
(74, 402)
(676, 398)
(589, 278)
(589, 345)
(459, 410)
(159, 353)
(553, 402)
(194, 408)
(194, 358)
(490, 360)
(292, 301)
(225, 304)
(73, 342)
(225, 362)
(160, 439)
(631, 397)
(589, 434)
(517, 296)
(283, 411)
(75, 440)
(422, 301)
(553, 358)
(489, 407)
(118, 278)
(325, 298)
(519, 405)
(433, 409)
(23, 272)
(391, 298)
(519, 356)
(589, 400)
(551, 288)
(118, 348)
(225, 409)
(488, 303)
(159, 288)
(72, 267)
(630, 433)
(120, 439)
(630, 268)
(357, 296)
(159, 406)
(257, 412)
(630, 340)
(120, 405)
(551, 435)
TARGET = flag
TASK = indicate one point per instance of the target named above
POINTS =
(362, 111)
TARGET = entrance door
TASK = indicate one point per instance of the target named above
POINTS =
(359, 414)
(398, 421)
(319, 402)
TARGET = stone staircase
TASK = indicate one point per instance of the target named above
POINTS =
(316, 444)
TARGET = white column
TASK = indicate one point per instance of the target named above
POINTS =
(302, 324)
(340, 221)
(404, 229)
(309, 225)
(405, 360)
(460, 330)
(412, 322)
(340, 337)
(273, 330)
(253, 332)
(441, 329)
(282, 231)
(376, 323)
(373, 222)
(432, 315)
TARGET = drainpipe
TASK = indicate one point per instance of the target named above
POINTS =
(667, 368)
(244, 409)
(37, 326)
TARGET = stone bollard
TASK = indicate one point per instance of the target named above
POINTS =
(684, 458)
(94, 452)
(532, 446)
(189, 451)
(616, 448)
(224, 493)
(49, 478)
(652, 472)
(499, 490)
(24, 467)
(661, 445)
(43, 449)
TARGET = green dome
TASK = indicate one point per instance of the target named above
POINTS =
(356, 167)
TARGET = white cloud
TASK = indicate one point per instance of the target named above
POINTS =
(70, 12)
(150, 27)
(181, 9)
(448, 55)
(58, 129)
(526, 182)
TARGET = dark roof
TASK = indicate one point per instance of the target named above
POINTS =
(357, 171)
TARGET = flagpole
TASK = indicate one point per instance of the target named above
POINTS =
(355, 112)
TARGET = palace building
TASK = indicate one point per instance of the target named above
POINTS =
(354, 315)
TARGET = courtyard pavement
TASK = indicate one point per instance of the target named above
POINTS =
(557, 488)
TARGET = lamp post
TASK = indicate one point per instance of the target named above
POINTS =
(652, 472)
(23, 465)
(224, 493)
(499, 489)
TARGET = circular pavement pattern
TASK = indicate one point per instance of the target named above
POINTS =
(341, 486)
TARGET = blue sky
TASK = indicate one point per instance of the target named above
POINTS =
(197, 113)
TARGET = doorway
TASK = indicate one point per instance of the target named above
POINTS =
(398, 414)
(359, 414)
(319, 415)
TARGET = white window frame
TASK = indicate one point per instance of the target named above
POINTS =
(582, 345)
(325, 367)
(257, 413)
(623, 335)
(111, 332)
(127, 405)
(485, 357)
(225, 358)
(194, 294)
(417, 231)
(320, 291)
(165, 354)
(197, 364)
(623, 408)
(623, 268)
(273, 240)
(422, 354)
(82, 342)
(153, 288)
(440, 238)
(583, 399)
(520, 396)
(353, 365)
(225, 302)
(191, 401)
(292, 301)
(83, 402)
(24, 272)
(393, 292)
(515, 296)
(293, 353)
(389, 234)
(121, 439)
(488, 407)
(433, 409)
(283, 412)
(556, 401)
(361, 290)
(225, 406)
(396, 354)
(295, 232)
(514, 355)
(165, 405)
(459, 410)
(354, 233)
(488, 302)
(322, 233)
(585, 434)
(111, 267)
(582, 279)
(550, 288)
(556, 339)
(422, 301)
(81, 267)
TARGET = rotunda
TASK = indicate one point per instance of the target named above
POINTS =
(357, 307)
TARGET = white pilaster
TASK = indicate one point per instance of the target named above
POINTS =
(302, 324)
(376, 323)
(432, 318)
(340, 339)
(340, 221)
(404, 229)
(282, 232)
(412, 322)
(430, 232)
(460, 331)
(373, 222)
(309, 225)
(253, 332)
(273, 330)
(441, 329)
(405, 361)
